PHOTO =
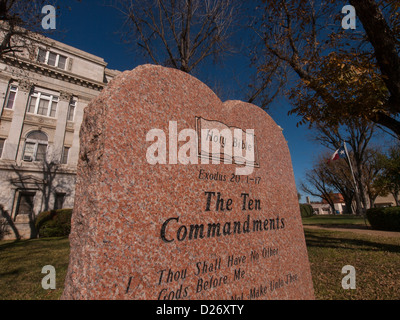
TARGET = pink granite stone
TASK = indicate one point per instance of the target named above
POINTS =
(181, 231)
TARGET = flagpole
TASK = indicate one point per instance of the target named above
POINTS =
(351, 166)
(354, 179)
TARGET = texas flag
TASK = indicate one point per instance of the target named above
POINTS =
(339, 153)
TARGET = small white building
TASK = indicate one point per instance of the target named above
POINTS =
(324, 207)
(386, 201)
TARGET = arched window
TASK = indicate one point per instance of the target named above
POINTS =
(35, 146)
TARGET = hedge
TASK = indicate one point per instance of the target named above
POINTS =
(54, 223)
(387, 219)
(306, 210)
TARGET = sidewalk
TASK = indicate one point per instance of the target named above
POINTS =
(354, 228)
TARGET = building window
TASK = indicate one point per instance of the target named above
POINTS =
(12, 93)
(1, 146)
(59, 201)
(64, 158)
(42, 55)
(43, 104)
(25, 203)
(71, 111)
(52, 59)
(35, 147)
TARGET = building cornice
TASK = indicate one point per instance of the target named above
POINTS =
(50, 43)
(52, 72)
(35, 167)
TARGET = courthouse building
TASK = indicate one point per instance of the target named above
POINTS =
(42, 98)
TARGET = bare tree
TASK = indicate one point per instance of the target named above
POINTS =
(20, 23)
(5, 221)
(317, 185)
(326, 178)
(178, 33)
(358, 135)
(338, 175)
(267, 83)
(372, 173)
(46, 179)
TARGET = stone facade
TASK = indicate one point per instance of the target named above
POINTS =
(42, 99)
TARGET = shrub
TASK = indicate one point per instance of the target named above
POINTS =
(54, 223)
(387, 219)
(306, 210)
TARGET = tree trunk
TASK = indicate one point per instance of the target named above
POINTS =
(333, 208)
(348, 200)
(385, 46)
(359, 210)
(372, 201)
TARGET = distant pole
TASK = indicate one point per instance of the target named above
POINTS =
(351, 166)
(355, 183)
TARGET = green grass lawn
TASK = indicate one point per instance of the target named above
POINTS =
(21, 263)
(376, 260)
(344, 219)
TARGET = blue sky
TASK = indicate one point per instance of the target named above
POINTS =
(92, 27)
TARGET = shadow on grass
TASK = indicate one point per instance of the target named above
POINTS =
(24, 243)
(343, 226)
(327, 240)
(15, 272)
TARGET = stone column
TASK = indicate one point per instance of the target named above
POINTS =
(4, 84)
(14, 135)
(79, 112)
(59, 136)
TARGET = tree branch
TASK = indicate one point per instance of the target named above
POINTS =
(385, 46)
